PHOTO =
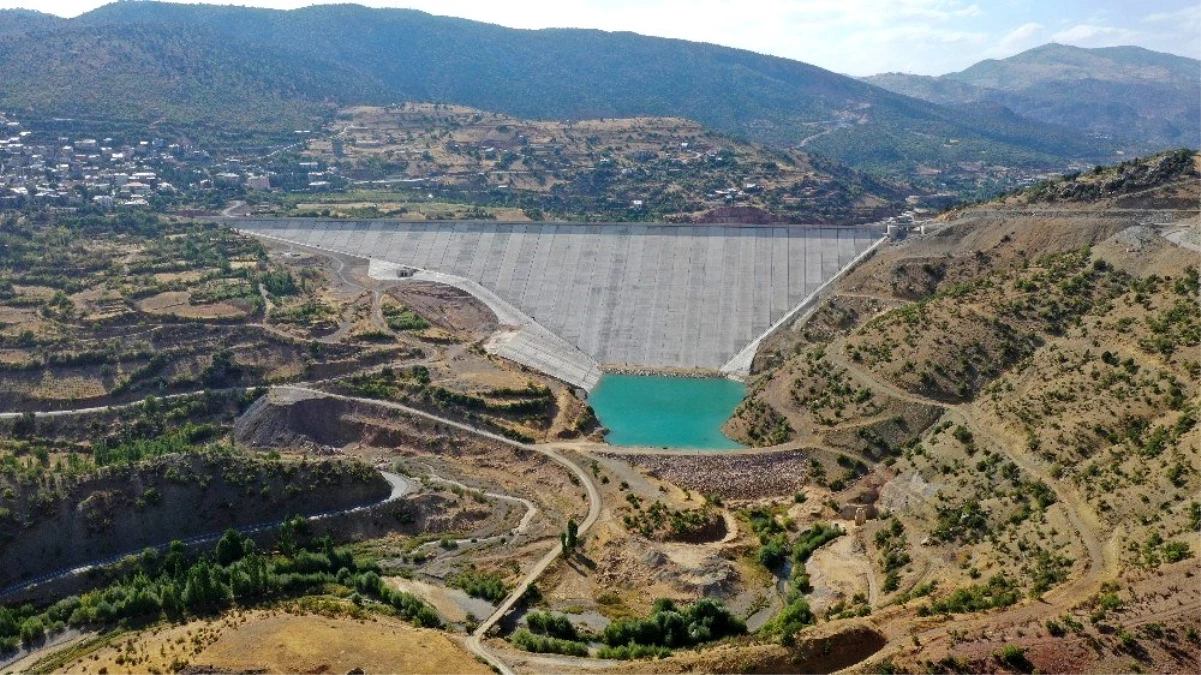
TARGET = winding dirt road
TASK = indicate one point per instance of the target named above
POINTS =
(400, 487)
(476, 641)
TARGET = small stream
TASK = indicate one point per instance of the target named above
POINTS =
(775, 601)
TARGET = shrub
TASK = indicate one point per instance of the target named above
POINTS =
(813, 539)
(1014, 657)
(484, 585)
(32, 630)
(998, 592)
(668, 626)
(542, 644)
(633, 651)
(554, 625)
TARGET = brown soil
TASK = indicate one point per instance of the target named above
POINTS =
(447, 307)
(282, 642)
(179, 303)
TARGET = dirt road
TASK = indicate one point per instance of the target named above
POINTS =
(476, 642)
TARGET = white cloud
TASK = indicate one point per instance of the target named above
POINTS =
(857, 37)
(1187, 17)
(1020, 38)
(1093, 35)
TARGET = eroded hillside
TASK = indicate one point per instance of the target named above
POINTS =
(1057, 346)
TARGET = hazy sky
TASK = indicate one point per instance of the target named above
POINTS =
(858, 37)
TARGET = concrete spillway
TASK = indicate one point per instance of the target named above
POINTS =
(622, 294)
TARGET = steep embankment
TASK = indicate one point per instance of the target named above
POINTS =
(55, 520)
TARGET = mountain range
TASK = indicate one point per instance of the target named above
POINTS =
(1141, 98)
(231, 71)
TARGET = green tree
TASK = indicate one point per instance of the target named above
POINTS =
(570, 538)
(25, 425)
(230, 548)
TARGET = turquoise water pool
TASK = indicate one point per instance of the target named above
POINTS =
(672, 412)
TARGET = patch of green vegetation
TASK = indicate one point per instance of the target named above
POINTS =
(310, 312)
(554, 625)
(814, 538)
(773, 537)
(892, 544)
(176, 586)
(964, 523)
(544, 644)
(403, 319)
(488, 586)
(1000, 591)
(182, 439)
(670, 626)
(1157, 551)
(659, 521)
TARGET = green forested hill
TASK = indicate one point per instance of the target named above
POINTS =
(24, 21)
(266, 68)
(166, 73)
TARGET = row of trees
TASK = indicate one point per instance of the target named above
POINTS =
(177, 586)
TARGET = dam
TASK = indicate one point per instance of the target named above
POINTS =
(583, 297)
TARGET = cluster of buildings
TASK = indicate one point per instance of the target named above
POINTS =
(44, 168)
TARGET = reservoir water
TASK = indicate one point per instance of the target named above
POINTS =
(672, 412)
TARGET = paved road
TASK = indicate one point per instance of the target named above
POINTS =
(401, 486)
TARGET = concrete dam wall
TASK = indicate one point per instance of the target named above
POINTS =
(629, 295)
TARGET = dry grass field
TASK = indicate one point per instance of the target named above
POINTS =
(283, 642)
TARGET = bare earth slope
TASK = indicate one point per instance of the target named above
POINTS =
(1056, 333)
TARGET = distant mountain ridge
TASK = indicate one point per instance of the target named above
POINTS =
(246, 68)
(1137, 96)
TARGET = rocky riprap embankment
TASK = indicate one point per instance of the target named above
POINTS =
(730, 476)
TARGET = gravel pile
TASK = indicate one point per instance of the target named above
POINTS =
(1134, 238)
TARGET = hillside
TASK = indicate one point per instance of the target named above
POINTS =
(168, 74)
(150, 57)
(25, 20)
(938, 90)
(54, 521)
(646, 168)
(984, 453)
(1020, 389)
(1144, 99)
